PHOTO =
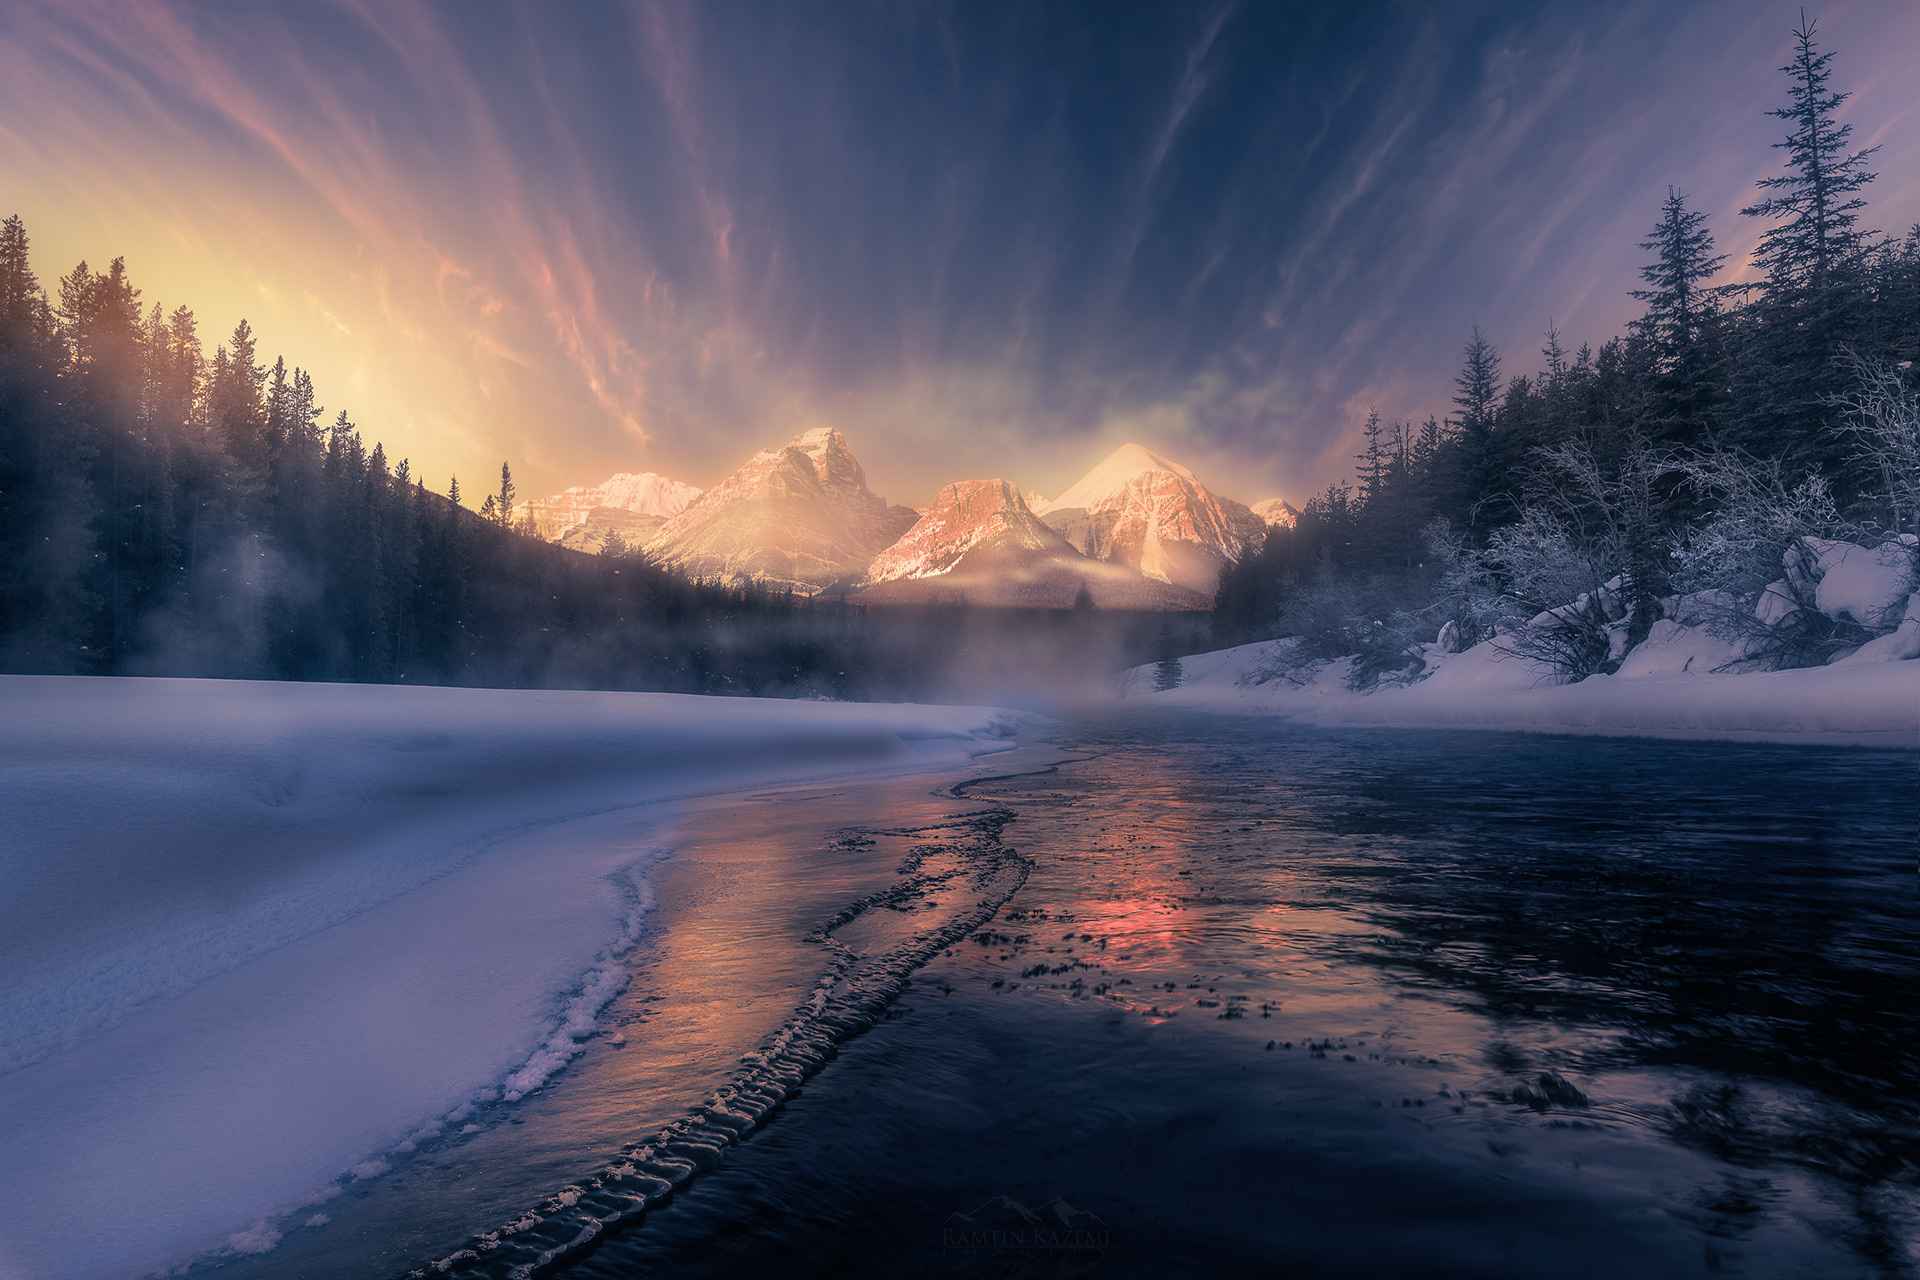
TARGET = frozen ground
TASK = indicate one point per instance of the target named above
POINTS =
(253, 937)
(1664, 689)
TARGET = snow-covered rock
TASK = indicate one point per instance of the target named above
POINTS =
(980, 541)
(1673, 648)
(1140, 510)
(1776, 603)
(1901, 643)
(1868, 705)
(642, 494)
(1868, 584)
(800, 516)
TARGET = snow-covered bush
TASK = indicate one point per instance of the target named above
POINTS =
(1565, 594)
(1338, 615)
(1468, 604)
(1762, 554)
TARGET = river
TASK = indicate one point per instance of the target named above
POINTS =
(1201, 995)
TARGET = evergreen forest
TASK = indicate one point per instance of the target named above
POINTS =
(1676, 468)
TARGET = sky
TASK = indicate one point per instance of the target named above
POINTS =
(983, 239)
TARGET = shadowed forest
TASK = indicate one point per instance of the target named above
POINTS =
(1681, 461)
(166, 513)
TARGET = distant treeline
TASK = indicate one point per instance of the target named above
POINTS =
(1683, 455)
(166, 514)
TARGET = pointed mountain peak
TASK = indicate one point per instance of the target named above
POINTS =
(1151, 514)
(799, 514)
(962, 517)
(1114, 473)
(979, 541)
(833, 462)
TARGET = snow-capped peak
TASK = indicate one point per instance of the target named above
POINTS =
(1276, 511)
(799, 515)
(987, 514)
(1144, 511)
(1114, 473)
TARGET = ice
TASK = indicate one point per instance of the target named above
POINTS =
(257, 938)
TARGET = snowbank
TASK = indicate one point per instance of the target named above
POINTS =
(1665, 688)
(253, 936)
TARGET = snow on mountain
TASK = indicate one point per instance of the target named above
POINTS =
(800, 516)
(591, 534)
(1140, 510)
(641, 494)
(1276, 512)
(980, 541)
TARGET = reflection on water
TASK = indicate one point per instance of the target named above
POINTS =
(1276, 1000)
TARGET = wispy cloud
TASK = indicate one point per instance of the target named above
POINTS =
(984, 238)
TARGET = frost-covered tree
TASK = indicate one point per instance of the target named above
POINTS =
(1881, 415)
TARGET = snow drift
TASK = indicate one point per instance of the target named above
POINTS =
(253, 936)
(1690, 676)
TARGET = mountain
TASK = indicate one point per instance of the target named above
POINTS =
(1139, 510)
(800, 516)
(590, 535)
(1276, 512)
(978, 541)
(653, 498)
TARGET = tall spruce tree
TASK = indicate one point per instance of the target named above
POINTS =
(1683, 321)
(1809, 306)
(1477, 397)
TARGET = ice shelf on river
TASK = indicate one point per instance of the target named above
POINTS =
(254, 936)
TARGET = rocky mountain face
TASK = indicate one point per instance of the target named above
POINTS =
(650, 498)
(593, 533)
(979, 542)
(1275, 512)
(1139, 510)
(800, 516)
(1136, 532)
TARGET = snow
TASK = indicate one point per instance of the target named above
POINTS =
(964, 516)
(799, 516)
(1868, 584)
(256, 938)
(1276, 511)
(1138, 509)
(1113, 474)
(1673, 649)
(1677, 682)
(643, 493)
(1868, 704)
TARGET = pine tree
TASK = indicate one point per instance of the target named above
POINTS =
(1818, 193)
(1478, 386)
(1809, 308)
(1682, 321)
(503, 502)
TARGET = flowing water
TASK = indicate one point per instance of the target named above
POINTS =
(1212, 996)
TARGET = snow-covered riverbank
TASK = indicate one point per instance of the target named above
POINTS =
(1667, 693)
(255, 936)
